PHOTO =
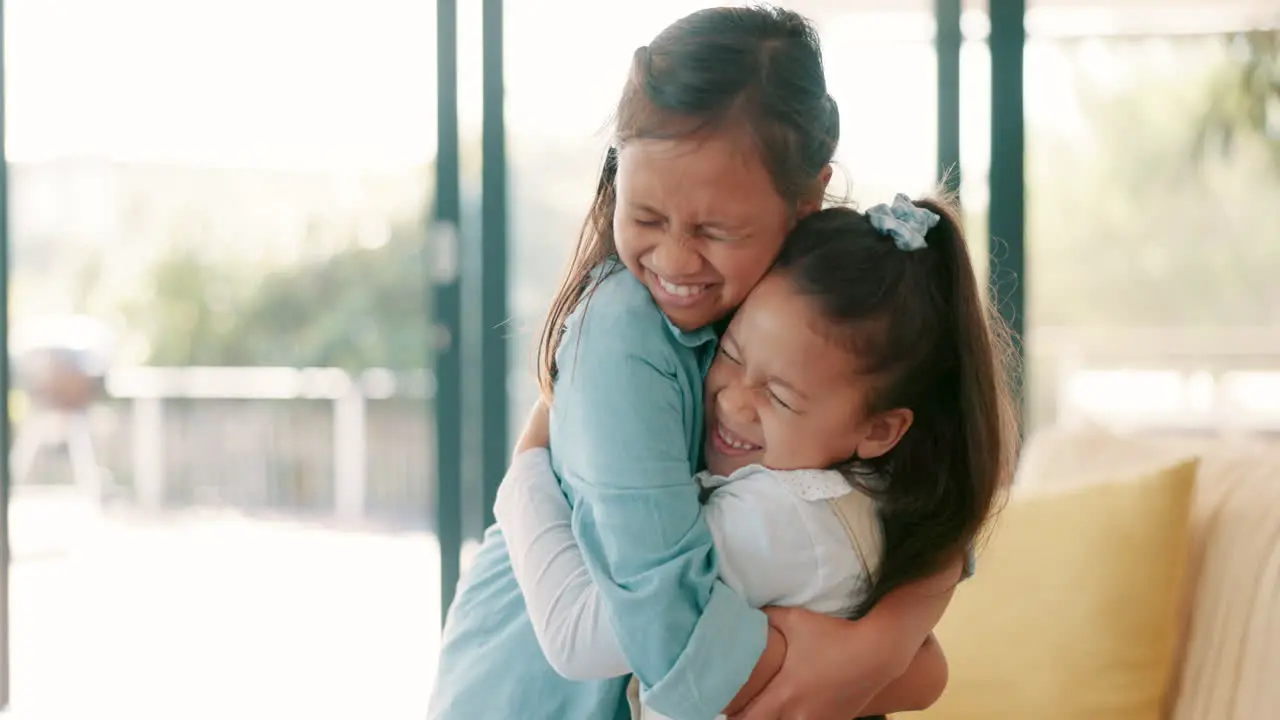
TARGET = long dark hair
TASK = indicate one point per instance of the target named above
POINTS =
(755, 68)
(923, 332)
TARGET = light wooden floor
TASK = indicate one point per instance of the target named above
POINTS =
(211, 615)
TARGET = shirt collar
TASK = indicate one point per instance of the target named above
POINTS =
(693, 339)
(806, 484)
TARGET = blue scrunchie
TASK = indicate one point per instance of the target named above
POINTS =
(903, 221)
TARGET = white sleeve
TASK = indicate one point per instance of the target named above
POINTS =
(569, 619)
(766, 551)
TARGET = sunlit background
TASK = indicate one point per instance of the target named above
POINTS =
(222, 211)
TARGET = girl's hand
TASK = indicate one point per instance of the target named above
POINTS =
(833, 669)
(537, 429)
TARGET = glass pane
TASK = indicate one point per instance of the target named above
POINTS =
(222, 430)
(888, 119)
(1153, 168)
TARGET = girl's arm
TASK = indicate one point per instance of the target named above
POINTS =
(836, 668)
(622, 427)
(917, 689)
(564, 606)
(905, 618)
(563, 602)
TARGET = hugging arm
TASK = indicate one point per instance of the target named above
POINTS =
(840, 668)
(568, 617)
(571, 623)
(916, 689)
(636, 516)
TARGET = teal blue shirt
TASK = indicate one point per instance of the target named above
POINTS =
(626, 438)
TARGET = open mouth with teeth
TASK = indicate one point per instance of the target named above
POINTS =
(677, 294)
(681, 290)
(727, 442)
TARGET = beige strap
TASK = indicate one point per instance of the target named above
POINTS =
(633, 697)
(857, 514)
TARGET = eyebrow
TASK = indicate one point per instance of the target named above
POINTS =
(645, 207)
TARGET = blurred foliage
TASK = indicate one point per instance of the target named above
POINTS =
(1130, 224)
(361, 307)
(1245, 97)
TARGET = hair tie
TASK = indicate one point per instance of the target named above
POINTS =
(903, 221)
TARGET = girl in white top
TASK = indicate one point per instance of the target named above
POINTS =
(855, 354)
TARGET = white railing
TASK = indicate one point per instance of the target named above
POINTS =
(147, 389)
(1196, 379)
(1168, 399)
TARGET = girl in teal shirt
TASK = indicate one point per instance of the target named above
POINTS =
(723, 140)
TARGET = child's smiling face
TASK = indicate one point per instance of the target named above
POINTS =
(698, 221)
(782, 393)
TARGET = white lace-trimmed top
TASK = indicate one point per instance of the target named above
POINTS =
(801, 538)
(781, 540)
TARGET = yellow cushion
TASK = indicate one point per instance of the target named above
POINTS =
(1074, 610)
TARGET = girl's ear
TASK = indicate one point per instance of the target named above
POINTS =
(883, 432)
(813, 203)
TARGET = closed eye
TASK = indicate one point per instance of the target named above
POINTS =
(729, 356)
(779, 401)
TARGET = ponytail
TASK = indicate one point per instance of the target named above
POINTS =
(897, 286)
(987, 370)
(956, 462)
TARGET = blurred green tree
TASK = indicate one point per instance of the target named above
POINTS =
(1125, 230)
(361, 307)
(1245, 101)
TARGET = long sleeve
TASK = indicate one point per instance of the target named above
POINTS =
(568, 616)
(774, 548)
(626, 426)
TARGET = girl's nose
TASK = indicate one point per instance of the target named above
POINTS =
(735, 403)
(676, 258)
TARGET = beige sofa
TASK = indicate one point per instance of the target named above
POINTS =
(1223, 654)
(1229, 650)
